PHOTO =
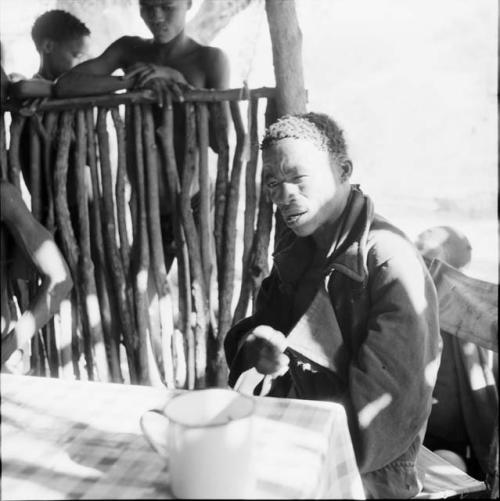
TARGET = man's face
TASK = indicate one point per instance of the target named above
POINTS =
(165, 18)
(62, 56)
(304, 184)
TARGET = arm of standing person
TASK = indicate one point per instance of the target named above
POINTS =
(40, 247)
(94, 76)
(218, 73)
(217, 69)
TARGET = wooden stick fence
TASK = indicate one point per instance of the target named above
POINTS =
(101, 194)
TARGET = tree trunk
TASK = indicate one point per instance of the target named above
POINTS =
(286, 39)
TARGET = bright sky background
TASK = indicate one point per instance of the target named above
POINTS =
(412, 82)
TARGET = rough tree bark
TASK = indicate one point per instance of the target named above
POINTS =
(286, 39)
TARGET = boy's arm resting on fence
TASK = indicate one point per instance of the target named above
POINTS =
(31, 88)
(39, 246)
(94, 77)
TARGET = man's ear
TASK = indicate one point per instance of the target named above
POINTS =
(346, 170)
(46, 46)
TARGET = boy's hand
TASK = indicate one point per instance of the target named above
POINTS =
(263, 349)
(30, 106)
(156, 76)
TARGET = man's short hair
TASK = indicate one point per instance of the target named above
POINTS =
(57, 25)
(318, 128)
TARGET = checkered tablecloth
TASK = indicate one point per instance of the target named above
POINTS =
(82, 440)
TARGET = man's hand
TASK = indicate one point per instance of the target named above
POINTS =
(159, 78)
(263, 349)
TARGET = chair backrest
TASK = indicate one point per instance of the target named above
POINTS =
(468, 309)
(441, 479)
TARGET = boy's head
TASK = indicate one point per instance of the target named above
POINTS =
(445, 243)
(306, 170)
(61, 40)
(165, 18)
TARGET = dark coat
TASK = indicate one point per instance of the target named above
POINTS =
(386, 306)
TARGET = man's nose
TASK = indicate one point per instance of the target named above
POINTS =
(286, 192)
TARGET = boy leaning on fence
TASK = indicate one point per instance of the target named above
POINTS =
(171, 61)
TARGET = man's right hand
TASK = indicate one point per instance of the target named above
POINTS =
(263, 349)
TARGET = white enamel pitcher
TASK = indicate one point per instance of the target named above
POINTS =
(206, 436)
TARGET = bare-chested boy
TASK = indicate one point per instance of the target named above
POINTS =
(171, 59)
(170, 56)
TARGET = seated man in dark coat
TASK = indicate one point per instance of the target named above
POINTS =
(349, 312)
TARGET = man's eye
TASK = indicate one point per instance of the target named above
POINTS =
(272, 184)
(298, 179)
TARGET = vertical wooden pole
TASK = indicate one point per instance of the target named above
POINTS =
(91, 314)
(204, 222)
(259, 260)
(50, 124)
(226, 282)
(156, 244)
(221, 182)
(109, 311)
(286, 40)
(120, 189)
(113, 254)
(35, 171)
(181, 357)
(3, 148)
(198, 286)
(14, 171)
(250, 207)
(67, 235)
(141, 243)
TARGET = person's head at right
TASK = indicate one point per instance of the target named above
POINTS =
(306, 171)
(166, 19)
(62, 41)
(446, 244)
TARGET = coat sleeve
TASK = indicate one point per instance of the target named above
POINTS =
(271, 308)
(392, 376)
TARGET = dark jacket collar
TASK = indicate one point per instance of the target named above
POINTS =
(347, 254)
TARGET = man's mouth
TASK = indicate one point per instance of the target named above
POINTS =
(293, 217)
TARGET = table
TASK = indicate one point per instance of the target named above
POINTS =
(81, 440)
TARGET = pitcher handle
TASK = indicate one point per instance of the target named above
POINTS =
(154, 425)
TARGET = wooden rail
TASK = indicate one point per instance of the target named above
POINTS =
(111, 177)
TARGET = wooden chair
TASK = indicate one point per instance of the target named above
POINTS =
(469, 310)
(442, 480)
